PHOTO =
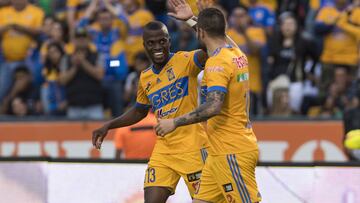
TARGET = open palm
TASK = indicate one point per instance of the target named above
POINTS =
(181, 10)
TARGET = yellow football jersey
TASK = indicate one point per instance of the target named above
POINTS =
(15, 44)
(230, 132)
(170, 93)
(339, 47)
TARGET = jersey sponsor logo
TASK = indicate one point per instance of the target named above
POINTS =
(240, 62)
(242, 77)
(228, 187)
(161, 114)
(170, 74)
(169, 93)
(214, 69)
(194, 176)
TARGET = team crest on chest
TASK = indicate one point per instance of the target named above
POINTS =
(158, 81)
(170, 74)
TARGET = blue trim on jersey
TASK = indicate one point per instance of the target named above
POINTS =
(142, 106)
(204, 154)
(238, 186)
(196, 61)
(157, 71)
(217, 51)
(217, 88)
(238, 173)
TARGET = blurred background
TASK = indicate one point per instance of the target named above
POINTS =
(71, 62)
(66, 66)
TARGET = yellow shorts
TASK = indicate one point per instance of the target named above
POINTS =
(165, 170)
(229, 178)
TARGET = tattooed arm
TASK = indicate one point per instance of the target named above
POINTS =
(212, 107)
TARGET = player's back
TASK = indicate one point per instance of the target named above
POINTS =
(230, 132)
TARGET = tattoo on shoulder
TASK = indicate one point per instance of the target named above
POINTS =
(215, 96)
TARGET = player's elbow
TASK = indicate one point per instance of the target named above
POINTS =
(215, 110)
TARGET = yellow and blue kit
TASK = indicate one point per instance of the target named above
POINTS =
(172, 92)
(14, 44)
(229, 171)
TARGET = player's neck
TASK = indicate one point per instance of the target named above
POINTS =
(213, 44)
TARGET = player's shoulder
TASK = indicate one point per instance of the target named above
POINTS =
(184, 54)
(226, 56)
(145, 72)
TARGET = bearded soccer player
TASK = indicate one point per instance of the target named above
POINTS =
(169, 87)
(229, 171)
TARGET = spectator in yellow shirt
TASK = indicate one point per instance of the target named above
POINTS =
(339, 47)
(138, 18)
(20, 23)
(251, 40)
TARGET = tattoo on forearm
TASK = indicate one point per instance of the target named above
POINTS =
(210, 108)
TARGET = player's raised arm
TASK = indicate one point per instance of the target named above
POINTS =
(132, 116)
(181, 10)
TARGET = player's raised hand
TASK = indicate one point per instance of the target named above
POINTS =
(180, 10)
(203, 4)
(98, 136)
(164, 127)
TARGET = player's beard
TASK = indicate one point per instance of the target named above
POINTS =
(202, 45)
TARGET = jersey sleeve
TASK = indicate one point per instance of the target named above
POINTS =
(217, 75)
(142, 100)
(194, 66)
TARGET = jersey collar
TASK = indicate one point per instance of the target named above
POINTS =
(217, 51)
(157, 71)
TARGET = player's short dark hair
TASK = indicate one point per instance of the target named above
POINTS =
(154, 25)
(212, 20)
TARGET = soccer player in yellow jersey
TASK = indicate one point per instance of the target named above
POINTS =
(169, 88)
(229, 171)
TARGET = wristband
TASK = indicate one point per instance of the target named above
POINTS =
(191, 21)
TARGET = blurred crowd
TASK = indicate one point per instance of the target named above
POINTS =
(82, 58)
